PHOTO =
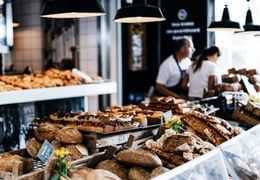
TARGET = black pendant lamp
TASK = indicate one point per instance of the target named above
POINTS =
(72, 9)
(225, 24)
(250, 27)
(139, 12)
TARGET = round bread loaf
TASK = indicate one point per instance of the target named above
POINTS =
(114, 167)
(69, 135)
(139, 157)
(46, 131)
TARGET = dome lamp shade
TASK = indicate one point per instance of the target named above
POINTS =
(139, 12)
(225, 24)
(63, 9)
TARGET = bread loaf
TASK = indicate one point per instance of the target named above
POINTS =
(139, 157)
(80, 174)
(158, 171)
(100, 174)
(33, 147)
(137, 173)
(114, 167)
(15, 164)
(46, 131)
(172, 142)
(69, 135)
(76, 151)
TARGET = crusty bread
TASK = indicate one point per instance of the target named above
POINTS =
(139, 157)
(46, 131)
(114, 167)
(100, 174)
(69, 135)
(76, 151)
(158, 171)
(137, 173)
(33, 147)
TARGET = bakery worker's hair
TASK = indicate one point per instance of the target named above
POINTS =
(204, 56)
(180, 43)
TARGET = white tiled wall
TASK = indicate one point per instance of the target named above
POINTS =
(28, 39)
(88, 49)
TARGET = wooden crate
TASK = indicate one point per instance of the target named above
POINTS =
(23, 171)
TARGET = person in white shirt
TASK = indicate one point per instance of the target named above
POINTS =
(172, 71)
(203, 74)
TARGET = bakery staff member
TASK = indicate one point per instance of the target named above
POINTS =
(203, 74)
(173, 70)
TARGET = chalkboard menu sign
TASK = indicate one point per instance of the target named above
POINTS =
(185, 18)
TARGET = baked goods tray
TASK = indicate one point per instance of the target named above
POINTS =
(97, 141)
(125, 130)
(34, 95)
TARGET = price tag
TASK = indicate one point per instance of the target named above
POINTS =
(45, 152)
(167, 115)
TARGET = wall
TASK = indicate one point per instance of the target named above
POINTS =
(238, 50)
(28, 37)
(88, 52)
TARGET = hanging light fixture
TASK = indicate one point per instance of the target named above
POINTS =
(225, 24)
(249, 27)
(139, 12)
(72, 9)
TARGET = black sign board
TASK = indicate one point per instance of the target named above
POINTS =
(185, 18)
(45, 152)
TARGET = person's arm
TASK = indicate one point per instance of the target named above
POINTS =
(165, 91)
(212, 82)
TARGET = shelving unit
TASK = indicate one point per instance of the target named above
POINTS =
(34, 95)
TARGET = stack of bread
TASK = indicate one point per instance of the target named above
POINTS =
(209, 128)
(129, 164)
(59, 136)
(178, 148)
(232, 80)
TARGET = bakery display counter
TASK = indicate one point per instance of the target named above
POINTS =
(236, 159)
(141, 142)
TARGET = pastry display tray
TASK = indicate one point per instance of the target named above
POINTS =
(34, 95)
(125, 130)
(96, 141)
